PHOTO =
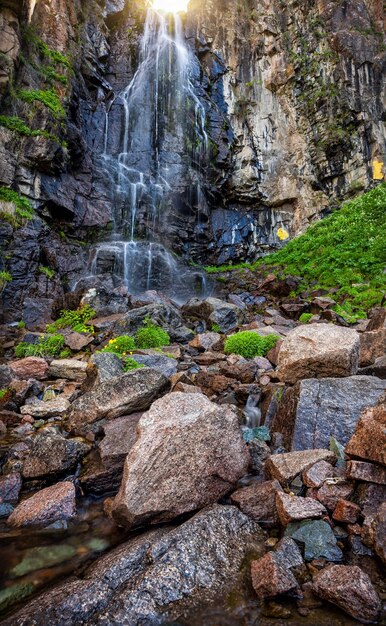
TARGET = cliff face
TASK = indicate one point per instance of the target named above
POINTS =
(294, 114)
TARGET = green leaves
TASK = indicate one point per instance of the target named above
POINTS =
(249, 344)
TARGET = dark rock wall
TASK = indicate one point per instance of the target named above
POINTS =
(293, 94)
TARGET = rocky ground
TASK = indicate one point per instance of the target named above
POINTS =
(262, 479)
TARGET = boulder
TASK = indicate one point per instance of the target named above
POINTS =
(188, 454)
(225, 315)
(49, 408)
(10, 486)
(291, 508)
(162, 314)
(120, 436)
(205, 341)
(351, 589)
(30, 367)
(317, 474)
(163, 364)
(331, 492)
(372, 346)
(314, 410)
(156, 577)
(103, 366)
(369, 439)
(320, 351)
(271, 578)
(316, 538)
(67, 368)
(285, 467)
(258, 501)
(45, 507)
(52, 454)
(380, 533)
(121, 395)
(367, 472)
(77, 341)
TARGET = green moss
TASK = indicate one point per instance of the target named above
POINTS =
(23, 206)
(5, 276)
(54, 56)
(76, 320)
(48, 97)
(249, 344)
(21, 324)
(47, 271)
(131, 364)
(305, 318)
(47, 346)
(216, 328)
(120, 345)
(151, 336)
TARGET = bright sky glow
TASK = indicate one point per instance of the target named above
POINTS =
(170, 6)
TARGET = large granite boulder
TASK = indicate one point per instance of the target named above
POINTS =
(188, 454)
(122, 395)
(155, 578)
(314, 410)
(318, 350)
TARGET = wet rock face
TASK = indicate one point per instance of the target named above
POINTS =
(290, 123)
(157, 576)
(189, 453)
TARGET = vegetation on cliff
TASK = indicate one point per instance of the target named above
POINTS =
(345, 251)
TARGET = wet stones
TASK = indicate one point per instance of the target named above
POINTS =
(349, 588)
(318, 350)
(317, 538)
(258, 501)
(52, 504)
(53, 454)
(189, 452)
(131, 392)
(285, 467)
(291, 508)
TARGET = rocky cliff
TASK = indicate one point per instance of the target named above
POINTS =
(293, 100)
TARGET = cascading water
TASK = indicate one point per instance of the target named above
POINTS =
(163, 143)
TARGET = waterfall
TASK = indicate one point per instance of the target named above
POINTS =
(162, 142)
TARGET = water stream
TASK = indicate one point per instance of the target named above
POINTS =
(160, 150)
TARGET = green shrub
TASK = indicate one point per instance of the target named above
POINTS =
(64, 354)
(23, 207)
(216, 328)
(249, 344)
(151, 336)
(48, 97)
(305, 318)
(17, 125)
(76, 320)
(21, 324)
(120, 345)
(46, 347)
(131, 364)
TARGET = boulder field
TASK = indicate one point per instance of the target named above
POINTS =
(256, 477)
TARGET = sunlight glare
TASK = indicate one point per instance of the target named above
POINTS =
(170, 6)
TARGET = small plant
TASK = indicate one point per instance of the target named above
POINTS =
(48, 97)
(48, 271)
(46, 347)
(21, 324)
(17, 125)
(131, 364)
(5, 277)
(216, 328)
(23, 208)
(64, 354)
(76, 320)
(120, 345)
(305, 318)
(151, 336)
(250, 344)
(4, 393)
